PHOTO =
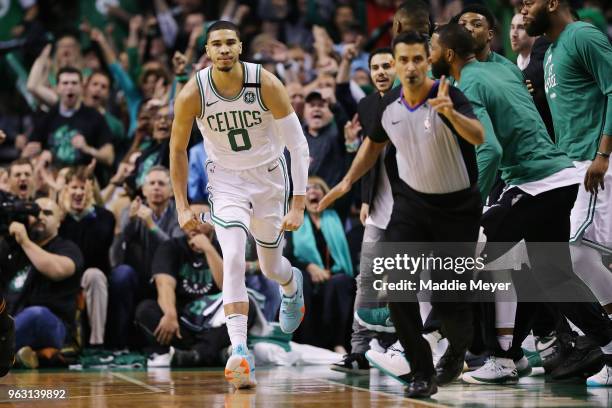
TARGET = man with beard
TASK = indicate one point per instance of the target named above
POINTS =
(578, 87)
(436, 199)
(73, 132)
(542, 186)
(530, 60)
(480, 22)
(377, 202)
(40, 277)
(91, 227)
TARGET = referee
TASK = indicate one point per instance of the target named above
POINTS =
(436, 199)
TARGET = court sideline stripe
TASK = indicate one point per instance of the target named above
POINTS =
(137, 382)
(386, 394)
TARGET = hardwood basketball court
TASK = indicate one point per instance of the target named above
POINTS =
(279, 387)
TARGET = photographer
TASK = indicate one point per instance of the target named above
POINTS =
(40, 277)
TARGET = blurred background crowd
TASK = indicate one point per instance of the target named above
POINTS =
(86, 101)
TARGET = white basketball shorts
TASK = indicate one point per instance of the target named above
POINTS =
(592, 214)
(255, 200)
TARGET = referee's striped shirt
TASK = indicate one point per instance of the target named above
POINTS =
(432, 159)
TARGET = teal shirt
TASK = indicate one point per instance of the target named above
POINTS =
(578, 86)
(495, 57)
(516, 139)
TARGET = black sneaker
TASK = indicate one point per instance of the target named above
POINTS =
(354, 363)
(185, 358)
(450, 366)
(7, 348)
(554, 351)
(585, 359)
(421, 387)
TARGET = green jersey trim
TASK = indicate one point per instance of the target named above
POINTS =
(201, 90)
(218, 95)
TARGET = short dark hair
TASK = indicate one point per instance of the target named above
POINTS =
(20, 162)
(68, 70)
(385, 50)
(482, 10)
(222, 25)
(412, 37)
(103, 73)
(457, 38)
(417, 11)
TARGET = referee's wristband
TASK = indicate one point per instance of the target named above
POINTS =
(602, 154)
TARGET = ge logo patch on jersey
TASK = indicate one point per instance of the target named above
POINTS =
(249, 97)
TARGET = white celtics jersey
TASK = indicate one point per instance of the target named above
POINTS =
(239, 133)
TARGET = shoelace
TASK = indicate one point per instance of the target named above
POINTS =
(492, 365)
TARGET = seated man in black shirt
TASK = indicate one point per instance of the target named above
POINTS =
(91, 228)
(145, 224)
(40, 278)
(186, 270)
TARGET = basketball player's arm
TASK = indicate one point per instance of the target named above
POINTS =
(366, 159)
(187, 107)
(595, 55)
(276, 99)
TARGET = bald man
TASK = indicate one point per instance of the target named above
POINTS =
(41, 280)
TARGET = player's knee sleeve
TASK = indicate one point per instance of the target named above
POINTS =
(233, 244)
(273, 264)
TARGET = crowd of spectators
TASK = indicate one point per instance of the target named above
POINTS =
(86, 104)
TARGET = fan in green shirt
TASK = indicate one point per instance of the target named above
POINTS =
(578, 85)
(480, 22)
(516, 139)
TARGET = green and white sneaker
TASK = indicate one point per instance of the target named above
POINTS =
(376, 319)
(392, 362)
(496, 370)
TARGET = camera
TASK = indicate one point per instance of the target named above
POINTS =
(12, 209)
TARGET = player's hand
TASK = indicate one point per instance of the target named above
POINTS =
(335, 193)
(167, 328)
(187, 220)
(293, 220)
(364, 213)
(442, 103)
(595, 174)
(18, 231)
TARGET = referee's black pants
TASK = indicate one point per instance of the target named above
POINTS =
(540, 219)
(453, 218)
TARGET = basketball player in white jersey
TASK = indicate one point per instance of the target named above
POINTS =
(246, 120)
